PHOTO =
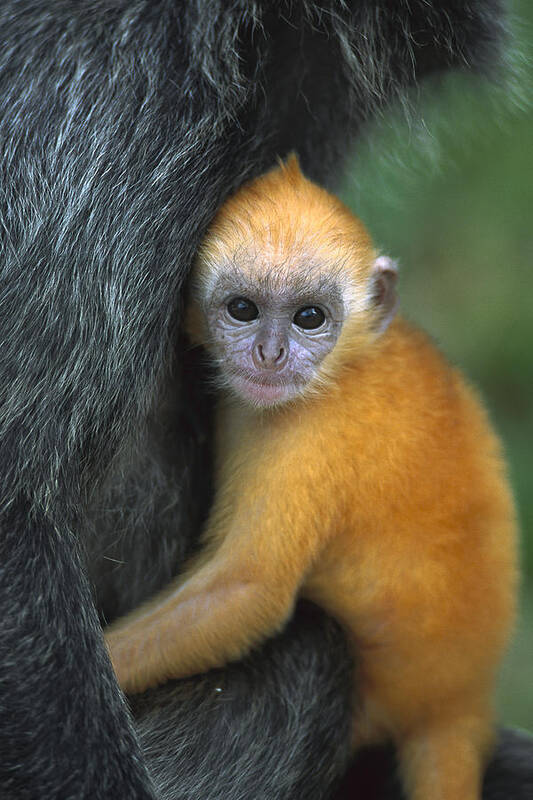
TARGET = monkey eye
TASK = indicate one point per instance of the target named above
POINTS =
(309, 318)
(242, 309)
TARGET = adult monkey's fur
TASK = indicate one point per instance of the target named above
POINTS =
(123, 126)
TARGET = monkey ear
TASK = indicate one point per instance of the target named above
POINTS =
(384, 298)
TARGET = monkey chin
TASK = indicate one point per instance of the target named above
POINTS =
(260, 394)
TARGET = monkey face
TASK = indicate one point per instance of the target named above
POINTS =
(269, 339)
(287, 283)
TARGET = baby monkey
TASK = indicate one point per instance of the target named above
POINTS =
(355, 468)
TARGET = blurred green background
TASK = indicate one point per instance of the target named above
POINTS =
(448, 189)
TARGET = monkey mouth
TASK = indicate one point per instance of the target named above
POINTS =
(263, 391)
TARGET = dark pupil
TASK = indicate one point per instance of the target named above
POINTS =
(242, 309)
(309, 318)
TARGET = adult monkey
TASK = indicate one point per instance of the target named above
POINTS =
(122, 128)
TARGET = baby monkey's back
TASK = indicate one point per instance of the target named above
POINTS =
(420, 562)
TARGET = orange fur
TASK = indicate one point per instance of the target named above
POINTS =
(382, 496)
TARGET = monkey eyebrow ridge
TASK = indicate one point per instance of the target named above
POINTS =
(294, 286)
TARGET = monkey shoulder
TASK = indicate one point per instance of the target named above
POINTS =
(403, 370)
(407, 370)
(403, 407)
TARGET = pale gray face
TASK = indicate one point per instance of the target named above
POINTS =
(269, 339)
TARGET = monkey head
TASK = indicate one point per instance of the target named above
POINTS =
(286, 284)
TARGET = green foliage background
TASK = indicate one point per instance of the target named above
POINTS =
(448, 189)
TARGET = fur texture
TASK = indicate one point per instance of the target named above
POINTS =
(257, 701)
(122, 128)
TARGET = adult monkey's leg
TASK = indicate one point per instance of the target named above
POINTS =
(251, 731)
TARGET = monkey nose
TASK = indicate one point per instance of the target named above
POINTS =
(269, 355)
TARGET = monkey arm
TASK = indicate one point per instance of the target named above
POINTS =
(243, 592)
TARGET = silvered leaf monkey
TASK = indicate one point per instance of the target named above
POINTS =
(355, 468)
(123, 127)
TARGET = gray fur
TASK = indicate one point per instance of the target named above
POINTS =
(297, 748)
(123, 126)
